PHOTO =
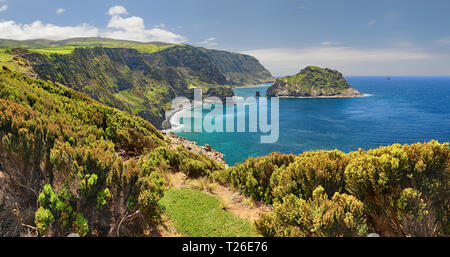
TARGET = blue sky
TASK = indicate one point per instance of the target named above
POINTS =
(357, 37)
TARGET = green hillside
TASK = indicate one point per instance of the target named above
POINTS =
(67, 46)
(72, 164)
(136, 77)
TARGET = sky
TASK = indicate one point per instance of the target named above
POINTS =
(356, 37)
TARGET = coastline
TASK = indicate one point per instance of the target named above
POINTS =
(256, 85)
(176, 140)
(168, 124)
(331, 96)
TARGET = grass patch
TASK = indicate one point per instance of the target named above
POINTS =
(5, 60)
(132, 99)
(199, 214)
(68, 49)
(53, 50)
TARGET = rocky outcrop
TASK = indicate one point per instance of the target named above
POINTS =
(313, 82)
(176, 141)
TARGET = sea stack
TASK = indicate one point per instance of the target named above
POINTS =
(313, 81)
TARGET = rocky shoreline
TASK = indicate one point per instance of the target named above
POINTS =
(192, 146)
(327, 96)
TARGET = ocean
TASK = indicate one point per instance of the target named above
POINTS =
(401, 110)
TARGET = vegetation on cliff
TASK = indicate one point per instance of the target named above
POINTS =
(139, 78)
(71, 164)
(45, 46)
(397, 190)
(312, 82)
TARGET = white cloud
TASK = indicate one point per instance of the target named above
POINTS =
(3, 8)
(37, 29)
(131, 28)
(132, 23)
(349, 60)
(60, 11)
(117, 10)
(444, 41)
(209, 42)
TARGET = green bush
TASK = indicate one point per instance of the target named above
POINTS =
(253, 176)
(173, 158)
(398, 182)
(308, 171)
(404, 188)
(79, 145)
(88, 183)
(81, 225)
(192, 164)
(103, 197)
(342, 215)
(43, 219)
(195, 168)
(148, 191)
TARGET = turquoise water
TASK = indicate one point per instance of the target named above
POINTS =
(401, 110)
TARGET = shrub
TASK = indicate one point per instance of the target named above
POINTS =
(172, 158)
(404, 188)
(253, 176)
(222, 176)
(43, 219)
(195, 168)
(102, 197)
(342, 215)
(88, 183)
(308, 171)
(146, 194)
(397, 183)
(81, 225)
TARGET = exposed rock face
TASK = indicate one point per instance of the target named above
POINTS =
(240, 69)
(313, 82)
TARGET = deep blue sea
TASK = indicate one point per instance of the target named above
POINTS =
(400, 110)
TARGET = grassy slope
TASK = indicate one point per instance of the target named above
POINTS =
(48, 47)
(196, 213)
(143, 48)
(7, 61)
